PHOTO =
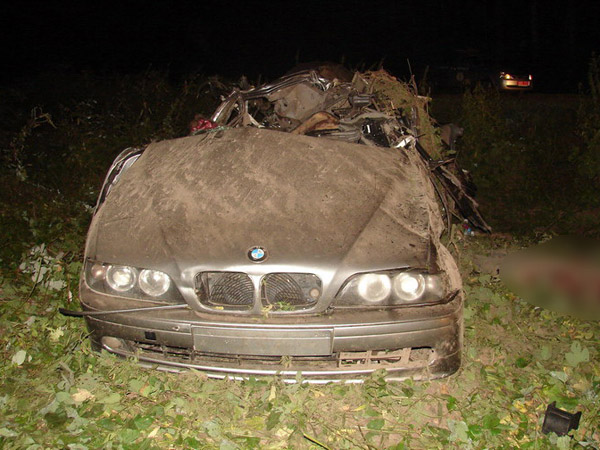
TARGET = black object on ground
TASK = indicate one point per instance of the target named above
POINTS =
(560, 421)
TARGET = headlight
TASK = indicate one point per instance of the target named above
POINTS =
(374, 287)
(409, 286)
(506, 76)
(121, 278)
(392, 288)
(133, 282)
(154, 282)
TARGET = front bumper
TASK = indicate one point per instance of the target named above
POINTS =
(419, 342)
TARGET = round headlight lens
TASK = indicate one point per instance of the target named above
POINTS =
(374, 287)
(98, 272)
(409, 286)
(154, 282)
(121, 278)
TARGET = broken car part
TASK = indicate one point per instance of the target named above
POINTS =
(559, 421)
(71, 313)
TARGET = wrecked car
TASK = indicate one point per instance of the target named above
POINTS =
(296, 233)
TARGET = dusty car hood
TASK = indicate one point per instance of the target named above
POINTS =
(203, 201)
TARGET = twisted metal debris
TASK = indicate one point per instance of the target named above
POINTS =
(371, 108)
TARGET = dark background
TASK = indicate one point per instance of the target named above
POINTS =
(554, 39)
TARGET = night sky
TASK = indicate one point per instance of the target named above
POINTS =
(554, 39)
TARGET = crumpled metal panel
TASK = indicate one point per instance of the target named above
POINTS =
(298, 102)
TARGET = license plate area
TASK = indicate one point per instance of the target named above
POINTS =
(263, 342)
(522, 83)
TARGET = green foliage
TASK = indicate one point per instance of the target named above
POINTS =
(531, 160)
(589, 124)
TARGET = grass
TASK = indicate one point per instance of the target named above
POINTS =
(57, 393)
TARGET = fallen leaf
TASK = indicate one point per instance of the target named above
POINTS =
(5, 432)
(376, 424)
(577, 354)
(111, 398)
(55, 335)
(19, 357)
(82, 395)
(563, 443)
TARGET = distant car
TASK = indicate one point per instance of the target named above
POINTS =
(247, 251)
(514, 81)
(470, 69)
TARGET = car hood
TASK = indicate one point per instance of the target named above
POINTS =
(203, 201)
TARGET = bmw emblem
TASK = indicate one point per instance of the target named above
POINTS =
(257, 254)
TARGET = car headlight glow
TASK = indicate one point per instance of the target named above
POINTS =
(374, 287)
(121, 278)
(409, 286)
(399, 287)
(154, 282)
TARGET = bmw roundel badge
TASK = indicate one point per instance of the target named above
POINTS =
(257, 254)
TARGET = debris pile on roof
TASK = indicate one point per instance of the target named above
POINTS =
(392, 95)
(371, 108)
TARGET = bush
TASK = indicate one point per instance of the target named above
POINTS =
(589, 125)
(60, 133)
(528, 161)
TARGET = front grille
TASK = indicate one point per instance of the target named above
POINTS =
(290, 291)
(230, 290)
(279, 291)
(280, 288)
